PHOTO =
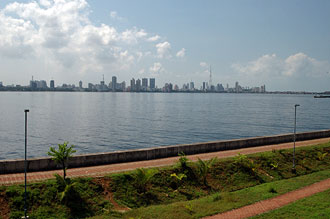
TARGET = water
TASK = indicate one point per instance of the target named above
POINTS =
(103, 122)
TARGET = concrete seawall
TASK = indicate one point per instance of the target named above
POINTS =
(45, 163)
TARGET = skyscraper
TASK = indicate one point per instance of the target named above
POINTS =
(144, 83)
(138, 85)
(52, 84)
(133, 84)
(80, 84)
(152, 83)
(114, 83)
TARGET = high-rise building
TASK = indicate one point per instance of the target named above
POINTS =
(152, 83)
(1, 85)
(204, 86)
(123, 86)
(133, 84)
(144, 83)
(192, 86)
(114, 83)
(236, 87)
(138, 85)
(52, 84)
(80, 84)
(90, 86)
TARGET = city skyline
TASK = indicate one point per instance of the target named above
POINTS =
(253, 42)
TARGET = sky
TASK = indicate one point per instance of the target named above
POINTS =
(282, 44)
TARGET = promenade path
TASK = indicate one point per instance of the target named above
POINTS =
(102, 170)
(273, 203)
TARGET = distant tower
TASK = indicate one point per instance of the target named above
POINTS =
(210, 80)
(80, 84)
(114, 83)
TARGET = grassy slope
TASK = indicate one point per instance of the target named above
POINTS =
(167, 195)
(221, 202)
(316, 206)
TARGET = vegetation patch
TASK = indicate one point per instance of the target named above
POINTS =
(187, 189)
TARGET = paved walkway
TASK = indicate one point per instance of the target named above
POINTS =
(274, 203)
(111, 168)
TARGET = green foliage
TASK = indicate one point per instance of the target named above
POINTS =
(217, 197)
(62, 155)
(142, 177)
(203, 168)
(272, 190)
(189, 208)
(321, 156)
(66, 188)
(183, 161)
(274, 166)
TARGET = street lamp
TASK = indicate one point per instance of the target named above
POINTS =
(25, 164)
(294, 138)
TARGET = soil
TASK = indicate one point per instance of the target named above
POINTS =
(4, 207)
(108, 195)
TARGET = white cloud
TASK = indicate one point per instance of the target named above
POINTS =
(153, 38)
(181, 53)
(203, 64)
(295, 65)
(156, 68)
(163, 49)
(61, 33)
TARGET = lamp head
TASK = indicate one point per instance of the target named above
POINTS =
(26, 111)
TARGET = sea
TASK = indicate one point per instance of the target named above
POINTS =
(105, 122)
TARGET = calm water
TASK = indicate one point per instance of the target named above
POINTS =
(102, 122)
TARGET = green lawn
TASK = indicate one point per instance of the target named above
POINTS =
(221, 202)
(316, 206)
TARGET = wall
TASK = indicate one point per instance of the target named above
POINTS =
(45, 163)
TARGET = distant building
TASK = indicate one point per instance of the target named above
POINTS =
(236, 87)
(138, 85)
(263, 89)
(204, 86)
(80, 84)
(133, 84)
(114, 83)
(1, 85)
(144, 83)
(123, 86)
(52, 84)
(220, 88)
(90, 86)
(192, 86)
(152, 83)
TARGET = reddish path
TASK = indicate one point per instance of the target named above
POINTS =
(273, 203)
(105, 169)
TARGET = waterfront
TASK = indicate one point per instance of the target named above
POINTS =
(101, 122)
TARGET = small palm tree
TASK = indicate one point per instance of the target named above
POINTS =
(204, 168)
(142, 177)
(62, 155)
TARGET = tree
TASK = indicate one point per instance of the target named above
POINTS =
(62, 155)
(204, 167)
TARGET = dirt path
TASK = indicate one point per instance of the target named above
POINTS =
(273, 203)
(106, 169)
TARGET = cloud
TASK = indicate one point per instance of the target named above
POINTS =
(295, 65)
(156, 68)
(114, 15)
(181, 53)
(203, 64)
(62, 32)
(163, 49)
(153, 38)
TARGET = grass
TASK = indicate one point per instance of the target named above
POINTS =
(224, 201)
(316, 206)
(177, 191)
(224, 175)
(43, 200)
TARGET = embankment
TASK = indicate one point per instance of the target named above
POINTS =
(46, 163)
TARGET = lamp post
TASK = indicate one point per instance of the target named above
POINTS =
(25, 164)
(294, 138)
